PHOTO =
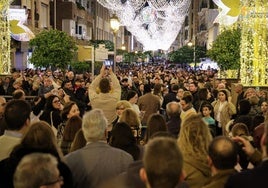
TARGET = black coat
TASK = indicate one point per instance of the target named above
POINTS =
(256, 177)
(8, 167)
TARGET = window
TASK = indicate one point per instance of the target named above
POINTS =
(44, 15)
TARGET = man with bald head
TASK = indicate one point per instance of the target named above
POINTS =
(223, 157)
(174, 123)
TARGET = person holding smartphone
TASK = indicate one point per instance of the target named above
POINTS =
(104, 92)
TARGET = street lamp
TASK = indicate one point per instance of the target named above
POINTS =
(114, 23)
(190, 44)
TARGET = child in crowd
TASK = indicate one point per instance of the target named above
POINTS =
(206, 111)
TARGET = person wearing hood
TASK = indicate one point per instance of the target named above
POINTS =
(194, 139)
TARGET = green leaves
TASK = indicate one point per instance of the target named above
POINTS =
(108, 44)
(226, 49)
(186, 54)
(52, 48)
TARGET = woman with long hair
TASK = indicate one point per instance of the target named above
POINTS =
(71, 128)
(51, 113)
(223, 111)
(156, 123)
(79, 141)
(130, 117)
(123, 138)
(39, 138)
(194, 139)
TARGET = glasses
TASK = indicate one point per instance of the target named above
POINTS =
(56, 101)
(59, 180)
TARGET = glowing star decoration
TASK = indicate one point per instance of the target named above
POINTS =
(230, 11)
(19, 31)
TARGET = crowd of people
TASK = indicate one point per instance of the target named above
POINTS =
(143, 127)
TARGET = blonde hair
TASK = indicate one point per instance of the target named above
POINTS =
(194, 137)
(124, 103)
(130, 117)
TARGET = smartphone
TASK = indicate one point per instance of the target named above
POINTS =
(107, 64)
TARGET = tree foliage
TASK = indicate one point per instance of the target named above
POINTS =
(186, 54)
(226, 49)
(80, 67)
(129, 57)
(52, 48)
(108, 44)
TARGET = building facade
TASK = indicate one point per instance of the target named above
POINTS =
(198, 26)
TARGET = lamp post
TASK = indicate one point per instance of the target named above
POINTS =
(114, 23)
(192, 44)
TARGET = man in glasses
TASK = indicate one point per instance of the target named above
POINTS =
(38, 170)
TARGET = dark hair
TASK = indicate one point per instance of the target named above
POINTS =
(16, 113)
(124, 80)
(223, 152)
(17, 94)
(65, 82)
(163, 134)
(123, 138)
(208, 105)
(147, 88)
(49, 103)
(194, 83)
(131, 94)
(79, 141)
(244, 107)
(188, 99)
(225, 93)
(174, 87)
(163, 162)
(104, 85)
(72, 126)
(155, 123)
(66, 109)
(203, 94)
(157, 89)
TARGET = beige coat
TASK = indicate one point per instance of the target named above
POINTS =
(225, 114)
(219, 180)
(197, 171)
(105, 101)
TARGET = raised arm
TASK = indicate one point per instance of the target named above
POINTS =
(92, 89)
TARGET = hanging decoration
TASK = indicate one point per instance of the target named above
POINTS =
(254, 44)
(229, 11)
(18, 29)
(154, 23)
(4, 38)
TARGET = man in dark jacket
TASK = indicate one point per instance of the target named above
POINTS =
(258, 176)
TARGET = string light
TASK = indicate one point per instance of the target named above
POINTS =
(154, 23)
(4, 38)
(254, 59)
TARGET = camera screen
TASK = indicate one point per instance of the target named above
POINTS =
(107, 63)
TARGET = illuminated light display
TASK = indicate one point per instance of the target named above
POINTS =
(154, 23)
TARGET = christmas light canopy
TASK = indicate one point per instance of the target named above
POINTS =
(154, 23)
